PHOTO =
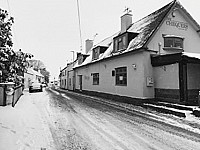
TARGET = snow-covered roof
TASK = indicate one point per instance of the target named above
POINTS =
(75, 63)
(31, 71)
(168, 36)
(145, 28)
(106, 43)
(191, 55)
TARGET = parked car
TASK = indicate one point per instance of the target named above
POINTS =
(44, 84)
(35, 86)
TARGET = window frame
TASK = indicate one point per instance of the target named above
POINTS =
(95, 78)
(121, 72)
(177, 42)
(95, 53)
(126, 37)
(120, 42)
(80, 59)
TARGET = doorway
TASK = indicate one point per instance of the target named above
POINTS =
(80, 81)
(183, 82)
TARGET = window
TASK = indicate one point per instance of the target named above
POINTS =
(120, 43)
(173, 42)
(121, 76)
(80, 79)
(80, 59)
(97, 51)
(95, 78)
(95, 54)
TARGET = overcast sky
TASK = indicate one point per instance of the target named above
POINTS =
(49, 28)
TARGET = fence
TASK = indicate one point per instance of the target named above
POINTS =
(2, 95)
(18, 91)
(6, 98)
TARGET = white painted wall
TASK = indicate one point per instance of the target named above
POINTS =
(191, 37)
(63, 78)
(148, 72)
(27, 79)
(68, 76)
(136, 83)
(70, 80)
(166, 77)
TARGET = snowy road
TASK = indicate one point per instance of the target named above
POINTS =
(77, 124)
(72, 122)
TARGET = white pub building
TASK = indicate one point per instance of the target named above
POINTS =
(157, 57)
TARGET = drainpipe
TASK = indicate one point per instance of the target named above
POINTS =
(159, 47)
(199, 99)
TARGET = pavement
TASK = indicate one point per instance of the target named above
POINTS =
(161, 107)
(174, 109)
(22, 127)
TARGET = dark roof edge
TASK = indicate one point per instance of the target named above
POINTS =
(168, 59)
(171, 3)
(161, 60)
(157, 27)
(113, 56)
(190, 17)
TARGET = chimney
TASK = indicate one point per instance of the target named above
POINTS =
(88, 45)
(126, 21)
(77, 55)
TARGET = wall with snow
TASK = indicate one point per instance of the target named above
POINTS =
(136, 78)
(191, 41)
(27, 79)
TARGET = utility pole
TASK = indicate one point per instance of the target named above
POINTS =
(79, 21)
(73, 73)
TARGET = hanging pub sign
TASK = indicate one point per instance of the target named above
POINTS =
(177, 24)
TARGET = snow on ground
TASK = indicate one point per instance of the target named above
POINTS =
(173, 109)
(106, 129)
(173, 120)
(167, 118)
(27, 127)
(57, 93)
(22, 127)
(193, 107)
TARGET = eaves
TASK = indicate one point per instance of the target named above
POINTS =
(113, 57)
